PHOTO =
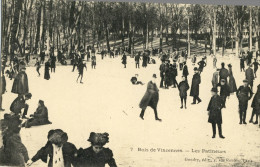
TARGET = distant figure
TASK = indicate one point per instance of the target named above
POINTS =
(150, 98)
(195, 85)
(124, 58)
(185, 71)
(40, 116)
(93, 61)
(183, 88)
(215, 79)
(256, 64)
(242, 63)
(81, 67)
(250, 76)
(223, 73)
(47, 70)
(42, 56)
(96, 155)
(38, 66)
(53, 63)
(215, 115)
(201, 64)
(215, 61)
(162, 73)
(137, 60)
(134, 80)
(224, 91)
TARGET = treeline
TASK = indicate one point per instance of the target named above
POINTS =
(29, 26)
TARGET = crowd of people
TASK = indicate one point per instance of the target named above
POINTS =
(223, 85)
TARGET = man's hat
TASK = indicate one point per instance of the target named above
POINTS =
(214, 90)
(195, 69)
(154, 76)
(245, 80)
(229, 65)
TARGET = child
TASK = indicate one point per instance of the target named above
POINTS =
(96, 155)
(183, 88)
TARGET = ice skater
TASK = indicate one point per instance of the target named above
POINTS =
(124, 59)
(81, 67)
(93, 61)
(256, 64)
(256, 106)
(214, 112)
(38, 66)
(195, 86)
(183, 88)
(150, 98)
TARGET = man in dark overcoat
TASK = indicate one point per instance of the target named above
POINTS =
(250, 76)
(20, 84)
(162, 73)
(223, 73)
(195, 86)
(2, 91)
(214, 109)
(185, 71)
(124, 58)
(150, 98)
(244, 94)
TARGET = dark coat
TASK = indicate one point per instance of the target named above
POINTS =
(223, 74)
(185, 71)
(151, 96)
(256, 102)
(250, 75)
(232, 82)
(88, 158)
(201, 64)
(53, 62)
(183, 88)
(195, 85)
(124, 59)
(69, 152)
(244, 94)
(17, 105)
(137, 59)
(20, 84)
(215, 79)
(40, 117)
(14, 151)
(224, 90)
(214, 108)
(162, 69)
(93, 59)
(47, 71)
(3, 87)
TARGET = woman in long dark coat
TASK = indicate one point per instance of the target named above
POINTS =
(47, 70)
(144, 64)
(20, 84)
(195, 86)
(150, 98)
(215, 115)
(57, 149)
(96, 155)
(124, 58)
(232, 82)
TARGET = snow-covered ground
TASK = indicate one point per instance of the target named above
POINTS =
(108, 102)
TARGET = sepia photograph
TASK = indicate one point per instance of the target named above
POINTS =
(129, 84)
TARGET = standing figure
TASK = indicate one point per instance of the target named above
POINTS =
(215, 115)
(81, 67)
(47, 70)
(167, 77)
(93, 61)
(162, 73)
(144, 64)
(20, 103)
(183, 88)
(201, 64)
(53, 63)
(185, 71)
(215, 79)
(215, 61)
(137, 60)
(58, 150)
(124, 58)
(174, 75)
(150, 98)
(2, 91)
(244, 94)
(256, 106)
(223, 73)
(250, 76)
(88, 55)
(242, 63)
(20, 84)
(38, 66)
(96, 155)
(256, 64)
(194, 59)
(42, 56)
(232, 81)
(195, 86)
(224, 91)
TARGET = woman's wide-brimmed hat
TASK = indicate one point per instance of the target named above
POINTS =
(98, 138)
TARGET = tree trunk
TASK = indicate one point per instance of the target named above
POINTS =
(250, 29)
(130, 34)
(38, 23)
(123, 31)
(107, 36)
(257, 29)
(43, 26)
(214, 33)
